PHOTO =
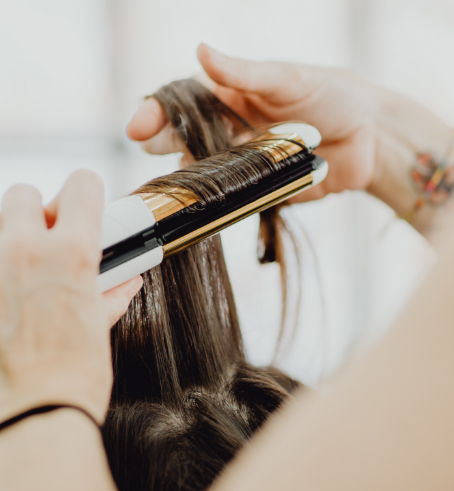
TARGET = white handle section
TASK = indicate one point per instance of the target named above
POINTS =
(319, 174)
(310, 135)
(126, 271)
(128, 216)
(123, 218)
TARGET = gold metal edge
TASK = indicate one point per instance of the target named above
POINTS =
(163, 205)
(281, 148)
(256, 206)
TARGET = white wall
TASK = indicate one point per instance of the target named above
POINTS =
(72, 73)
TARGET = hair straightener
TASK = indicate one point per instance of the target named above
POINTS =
(139, 231)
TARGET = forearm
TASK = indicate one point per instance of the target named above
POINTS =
(385, 424)
(59, 450)
(404, 129)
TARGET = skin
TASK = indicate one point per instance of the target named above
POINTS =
(384, 423)
(370, 135)
(54, 335)
(48, 280)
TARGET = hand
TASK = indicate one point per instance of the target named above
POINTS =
(54, 323)
(339, 103)
(369, 134)
(116, 300)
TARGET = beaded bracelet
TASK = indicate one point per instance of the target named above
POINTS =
(434, 179)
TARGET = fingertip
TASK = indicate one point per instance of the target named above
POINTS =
(89, 175)
(86, 179)
(126, 290)
(22, 206)
(203, 54)
(21, 192)
(211, 55)
(214, 63)
(78, 207)
(118, 299)
(259, 77)
(148, 120)
(135, 284)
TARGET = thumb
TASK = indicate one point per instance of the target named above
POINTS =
(262, 78)
(118, 299)
(148, 120)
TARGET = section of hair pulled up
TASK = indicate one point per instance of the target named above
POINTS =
(206, 127)
(210, 129)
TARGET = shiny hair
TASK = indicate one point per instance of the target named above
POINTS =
(185, 399)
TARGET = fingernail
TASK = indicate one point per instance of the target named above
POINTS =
(215, 56)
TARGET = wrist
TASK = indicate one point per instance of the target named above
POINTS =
(58, 450)
(53, 390)
(404, 129)
(46, 409)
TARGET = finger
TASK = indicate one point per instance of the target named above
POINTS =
(22, 208)
(51, 210)
(248, 106)
(350, 163)
(165, 142)
(118, 299)
(262, 78)
(148, 121)
(79, 206)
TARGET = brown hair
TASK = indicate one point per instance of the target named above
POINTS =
(208, 128)
(185, 399)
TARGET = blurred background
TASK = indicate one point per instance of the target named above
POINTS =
(72, 73)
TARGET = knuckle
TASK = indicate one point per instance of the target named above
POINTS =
(20, 244)
(79, 251)
(23, 251)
